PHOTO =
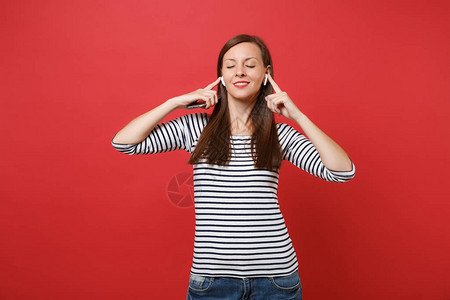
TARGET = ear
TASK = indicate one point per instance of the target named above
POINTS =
(268, 69)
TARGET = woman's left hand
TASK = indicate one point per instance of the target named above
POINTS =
(280, 103)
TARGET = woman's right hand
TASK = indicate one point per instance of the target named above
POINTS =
(207, 94)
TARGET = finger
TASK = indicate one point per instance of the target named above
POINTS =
(275, 86)
(278, 97)
(216, 99)
(271, 97)
(276, 109)
(213, 98)
(211, 85)
(279, 104)
(207, 99)
(211, 101)
(212, 95)
(271, 106)
(275, 102)
(205, 95)
(269, 103)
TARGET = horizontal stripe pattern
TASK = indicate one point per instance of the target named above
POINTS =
(299, 150)
(239, 228)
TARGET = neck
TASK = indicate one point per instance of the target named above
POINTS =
(240, 111)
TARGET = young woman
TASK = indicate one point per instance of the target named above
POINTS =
(242, 249)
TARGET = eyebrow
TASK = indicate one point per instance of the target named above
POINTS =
(245, 59)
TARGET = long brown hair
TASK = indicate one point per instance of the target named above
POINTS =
(214, 142)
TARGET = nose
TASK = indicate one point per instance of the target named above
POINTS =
(240, 72)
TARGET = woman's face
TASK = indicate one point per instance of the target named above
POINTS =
(243, 71)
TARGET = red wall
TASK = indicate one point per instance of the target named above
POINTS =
(79, 220)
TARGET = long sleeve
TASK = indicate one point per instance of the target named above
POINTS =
(176, 134)
(300, 151)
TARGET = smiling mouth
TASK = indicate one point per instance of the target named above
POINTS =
(241, 84)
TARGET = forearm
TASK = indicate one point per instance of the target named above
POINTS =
(139, 128)
(331, 154)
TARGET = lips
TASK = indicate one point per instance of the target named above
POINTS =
(241, 84)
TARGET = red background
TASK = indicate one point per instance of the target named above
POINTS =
(79, 220)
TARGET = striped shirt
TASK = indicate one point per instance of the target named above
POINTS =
(239, 229)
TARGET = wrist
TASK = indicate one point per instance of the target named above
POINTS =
(171, 104)
(300, 118)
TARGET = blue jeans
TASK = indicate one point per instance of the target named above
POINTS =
(260, 288)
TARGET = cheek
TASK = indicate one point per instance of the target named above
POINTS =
(258, 75)
(258, 78)
(225, 74)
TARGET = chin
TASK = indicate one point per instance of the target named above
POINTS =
(244, 95)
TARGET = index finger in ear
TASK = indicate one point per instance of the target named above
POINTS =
(211, 85)
(275, 86)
